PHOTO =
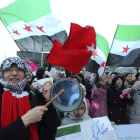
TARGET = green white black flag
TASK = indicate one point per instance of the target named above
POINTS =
(125, 50)
(32, 25)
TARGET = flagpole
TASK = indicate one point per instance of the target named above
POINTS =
(57, 73)
(111, 46)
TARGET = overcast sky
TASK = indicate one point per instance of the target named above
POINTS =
(103, 15)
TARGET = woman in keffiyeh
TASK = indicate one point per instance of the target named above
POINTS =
(22, 114)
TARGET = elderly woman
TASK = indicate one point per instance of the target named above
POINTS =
(18, 120)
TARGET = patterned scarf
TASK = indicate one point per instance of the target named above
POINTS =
(14, 99)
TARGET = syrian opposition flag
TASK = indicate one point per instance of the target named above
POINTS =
(99, 57)
(76, 51)
(32, 25)
(125, 50)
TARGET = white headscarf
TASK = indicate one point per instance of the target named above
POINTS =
(72, 116)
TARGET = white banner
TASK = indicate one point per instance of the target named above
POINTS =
(128, 132)
(93, 129)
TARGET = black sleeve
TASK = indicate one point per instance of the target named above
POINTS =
(48, 126)
(15, 131)
(130, 101)
(112, 100)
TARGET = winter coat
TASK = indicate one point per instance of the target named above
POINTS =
(99, 95)
(117, 106)
(46, 127)
(71, 119)
(134, 110)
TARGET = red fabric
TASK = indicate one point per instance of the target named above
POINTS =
(74, 54)
(13, 108)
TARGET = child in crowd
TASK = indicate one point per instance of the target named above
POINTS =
(98, 106)
(77, 116)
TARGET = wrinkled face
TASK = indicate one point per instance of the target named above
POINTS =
(13, 75)
(79, 112)
(119, 82)
(128, 78)
(30, 73)
(102, 80)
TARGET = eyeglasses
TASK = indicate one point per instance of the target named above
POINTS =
(12, 69)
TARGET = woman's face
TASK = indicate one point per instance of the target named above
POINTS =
(102, 80)
(133, 77)
(88, 74)
(94, 75)
(119, 82)
(13, 75)
(80, 111)
(30, 73)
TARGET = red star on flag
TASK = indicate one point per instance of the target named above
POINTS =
(40, 28)
(125, 49)
(95, 54)
(103, 64)
(27, 28)
(16, 32)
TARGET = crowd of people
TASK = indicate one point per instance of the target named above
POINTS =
(23, 96)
